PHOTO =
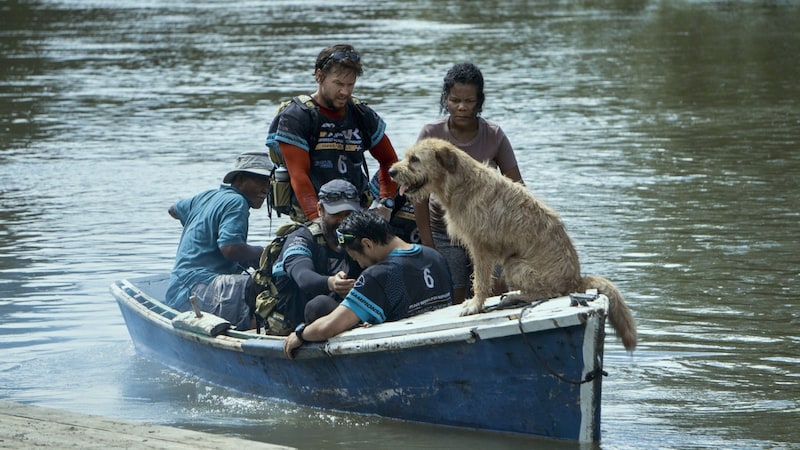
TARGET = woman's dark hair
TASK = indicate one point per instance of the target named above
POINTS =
(364, 224)
(465, 73)
(339, 57)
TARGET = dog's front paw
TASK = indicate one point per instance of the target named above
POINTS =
(471, 306)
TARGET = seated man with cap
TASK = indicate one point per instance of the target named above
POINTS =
(213, 251)
(399, 280)
(311, 263)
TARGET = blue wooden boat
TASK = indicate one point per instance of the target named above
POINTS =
(534, 370)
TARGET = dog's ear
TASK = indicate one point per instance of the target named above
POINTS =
(447, 158)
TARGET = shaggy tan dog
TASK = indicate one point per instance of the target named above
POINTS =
(501, 222)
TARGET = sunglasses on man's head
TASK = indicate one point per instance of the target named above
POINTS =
(344, 238)
(335, 196)
(341, 55)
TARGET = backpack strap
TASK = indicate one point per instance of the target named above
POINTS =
(316, 231)
(305, 101)
(359, 109)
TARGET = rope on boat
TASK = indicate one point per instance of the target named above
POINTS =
(598, 371)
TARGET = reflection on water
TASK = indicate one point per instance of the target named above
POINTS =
(665, 133)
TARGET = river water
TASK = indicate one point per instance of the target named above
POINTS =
(666, 133)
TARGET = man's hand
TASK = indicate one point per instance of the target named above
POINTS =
(382, 211)
(340, 284)
(341, 319)
(290, 344)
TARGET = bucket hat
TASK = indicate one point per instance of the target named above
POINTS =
(251, 162)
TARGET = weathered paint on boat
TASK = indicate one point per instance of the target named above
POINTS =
(479, 371)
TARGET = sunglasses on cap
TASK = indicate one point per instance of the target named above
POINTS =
(336, 196)
(340, 55)
(344, 238)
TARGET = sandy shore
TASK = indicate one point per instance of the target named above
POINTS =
(27, 427)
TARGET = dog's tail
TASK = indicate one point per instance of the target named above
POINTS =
(618, 312)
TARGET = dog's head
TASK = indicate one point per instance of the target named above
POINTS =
(424, 167)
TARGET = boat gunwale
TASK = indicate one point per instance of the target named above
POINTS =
(407, 333)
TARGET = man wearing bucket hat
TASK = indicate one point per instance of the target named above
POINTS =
(213, 251)
(311, 263)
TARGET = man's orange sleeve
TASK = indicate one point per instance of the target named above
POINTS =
(298, 163)
(386, 156)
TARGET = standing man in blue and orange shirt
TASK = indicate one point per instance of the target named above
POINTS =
(323, 136)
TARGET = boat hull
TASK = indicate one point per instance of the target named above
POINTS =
(424, 371)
